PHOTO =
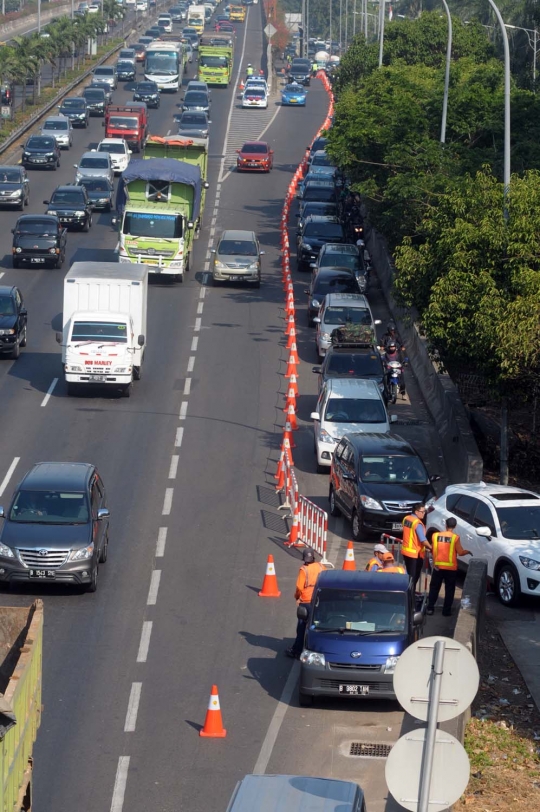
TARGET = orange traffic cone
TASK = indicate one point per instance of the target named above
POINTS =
(293, 384)
(294, 354)
(241, 86)
(292, 537)
(286, 448)
(270, 584)
(290, 399)
(349, 562)
(291, 367)
(290, 324)
(280, 472)
(287, 435)
(213, 724)
(291, 418)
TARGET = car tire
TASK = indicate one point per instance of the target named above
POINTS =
(93, 585)
(104, 550)
(24, 339)
(507, 585)
(126, 390)
(334, 510)
(305, 700)
(27, 201)
(16, 351)
(357, 528)
(88, 225)
(59, 262)
(15, 263)
(21, 205)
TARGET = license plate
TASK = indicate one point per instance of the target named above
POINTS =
(253, 163)
(97, 377)
(236, 278)
(37, 259)
(38, 160)
(293, 101)
(42, 574)
(356, 690)
(397, 526)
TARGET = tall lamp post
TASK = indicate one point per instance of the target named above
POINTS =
(446, 73)
(533, 44)
(382, 10)
(506, 105)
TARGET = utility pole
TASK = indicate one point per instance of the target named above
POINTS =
(39, 16)
(447, 73)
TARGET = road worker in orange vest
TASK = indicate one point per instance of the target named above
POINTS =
(389, 564)
(414, 541)
(305, 584)
(446, 548)
(375, 563)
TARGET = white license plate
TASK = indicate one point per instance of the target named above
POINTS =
(236, 278)
(37, 259)
(42, 574)
(397, 526)
(97, 377)
(38, 160)
(355, 690)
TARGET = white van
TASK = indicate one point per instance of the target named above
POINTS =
(346, 405)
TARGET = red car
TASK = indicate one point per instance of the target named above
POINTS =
(255, 156)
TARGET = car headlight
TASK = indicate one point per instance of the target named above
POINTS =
(370, 503)
(103, 200)
(219, 265)
(7, 332)
(74, 368)
(390, 665)
(312, 658)
(120, 370)
(18, 250)
(16, 193)
(53, 250)
(530, 563)
(315, 303)
(254, 266)
(79, 214)
(6, 552)
(53, 212)
(326, 437)
(325, 336)
(306, 246)
(82, 554)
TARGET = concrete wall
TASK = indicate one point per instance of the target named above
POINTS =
(22, 24)
(462, 458)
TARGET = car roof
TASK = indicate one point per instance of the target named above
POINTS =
(372, 443)
(340, 248)
(47, 217)
(66, 476)
(498, 495)
(322, 218)
(363, 581)
(353, 387)
(56, 118)
(7, 290)
(237, 234)
(350, 299)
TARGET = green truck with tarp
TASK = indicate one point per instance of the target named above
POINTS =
(21, 650)
(216, 57)
(190, 150)
(158, 206)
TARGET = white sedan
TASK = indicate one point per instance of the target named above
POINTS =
(255, 97)
(118, 150)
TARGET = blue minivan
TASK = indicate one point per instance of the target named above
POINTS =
(357, 626)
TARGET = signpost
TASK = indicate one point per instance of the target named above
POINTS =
(270, 30)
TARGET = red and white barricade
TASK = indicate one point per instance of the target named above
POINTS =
(394, 546)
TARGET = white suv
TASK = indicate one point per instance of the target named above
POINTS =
(500, 524)
(118, 150)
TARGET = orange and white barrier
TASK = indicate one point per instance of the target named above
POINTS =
(394, 545)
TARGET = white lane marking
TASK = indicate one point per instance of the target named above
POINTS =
(154, 587)
(120, 782)
(161, 541)
(277, 721)
(50, 390)
(194, 344)
(205, 278)
(233, 102)
(1, 274)
(183, 411)
(179, 437)
(168, 132)
(167, 502)
(187, 386)
(5, 481)
(144, 643)
(198, 323)
(191, 364)
(202, 290)
(200, 307)
(173, 468)
(133, 708)
(269, 123)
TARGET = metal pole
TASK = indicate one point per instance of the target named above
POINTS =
(365, 20)
(354, 19)
(506, 105)
(381, 31)
(330, 35)
(429, 746)
(534, 58)
(340, 24)
(346, 22)
(447, 73)
(39, 16)
(503, 462)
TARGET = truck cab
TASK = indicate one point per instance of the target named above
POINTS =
(129, 122)
(357, 626)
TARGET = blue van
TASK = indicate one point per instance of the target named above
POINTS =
(357, 626)
(296, 793)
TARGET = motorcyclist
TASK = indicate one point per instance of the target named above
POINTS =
(392, 335)
(394, 353)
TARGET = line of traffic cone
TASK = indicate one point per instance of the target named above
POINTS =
(287, 434)
(213, 724)
(270, 585)
(291, 417)
(349, 563)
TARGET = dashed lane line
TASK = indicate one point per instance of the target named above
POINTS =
(120, 782)
(133, 708)
(154, 588)
(173, 468)
(183, 410)
(9, 474)
(161, 542)
(187, 386)
(50, 390)
(144, 644)
(167, 502)
(194, 344)
(179, 436)
(191, 362)
(198, 323)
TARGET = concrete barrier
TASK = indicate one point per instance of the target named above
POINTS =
(462, 457)
(23, 24)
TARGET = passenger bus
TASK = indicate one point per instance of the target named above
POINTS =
(164, 65)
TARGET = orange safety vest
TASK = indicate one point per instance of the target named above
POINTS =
(411, 546)
(444, 550)
(394, 568)
(373, 565)
(311, 572)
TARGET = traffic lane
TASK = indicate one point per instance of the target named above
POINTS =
(210, 624)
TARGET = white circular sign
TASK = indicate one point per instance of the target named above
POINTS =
(449, 777)
(412, 678)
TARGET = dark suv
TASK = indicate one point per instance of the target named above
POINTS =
(56, 529)
(14, 187)
(96, 100)
(76, 109)
(41, 151)
(375, 479)
(351, 360)
(317, 231)
(72, 207)
(38, 239)
(12, 321)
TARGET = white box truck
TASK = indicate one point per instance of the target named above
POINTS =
(104, 324)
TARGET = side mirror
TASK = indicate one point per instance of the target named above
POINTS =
(418, 619)
(316, 320)
(206, 184)
(103, 513)
(393, 418)
(2, 514)
(262, 253)
(22, 146)
(190, 224)
(377, 321)
(306, 290)
(13, 231)
(238, 151)
(140, 340)
(434, 478)
(46, 202)
(114, 220)
(315, 416)
(59, 338)
(302, 612)
(102, 123)
(130, 152)
(76, 166)
(312, 264)
(485, 532)
(317, 370)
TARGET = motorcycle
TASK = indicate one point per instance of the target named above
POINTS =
(395, 372)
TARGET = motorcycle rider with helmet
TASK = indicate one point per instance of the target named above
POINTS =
(393, 353)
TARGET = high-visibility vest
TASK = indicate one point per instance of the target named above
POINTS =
(411, 547)
(394, 568)
(311, 572)
(373, 565)
(444, 550)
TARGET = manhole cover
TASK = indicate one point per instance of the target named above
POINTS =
(364, 750)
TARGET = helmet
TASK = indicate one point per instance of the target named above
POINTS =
(249, 65)
(308, 556)
(391, 346)
(391, 327)
(388, 558)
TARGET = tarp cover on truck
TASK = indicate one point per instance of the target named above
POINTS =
(161, 169)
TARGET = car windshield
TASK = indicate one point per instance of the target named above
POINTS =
(7, 307)
(347, 315)
(73, 104)
(56, 125)
(8, 175)
(108, 72)
(116, 149)
(41, 143)
(294, 89)
(350, 610)
(49, 507)
(330, 260)
(355, 364)
(321, 160)
(258, 92)
(323, 209)
(147, 87)
(335, 284)
(195, 119)
(67, 196)
(242, 248)
(94, 95)
(519, 522)
(99, 331)
(388, 469)
(125, 66)
(144, 224)
(254, 149)
(354, 410)
(330, 231)
(94, 163)
(42, 227)
(162, 63)
(196, 97)
(95, 185)
(319, 193)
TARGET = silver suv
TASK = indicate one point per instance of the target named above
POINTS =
(107, 74)
(237, 258)
(61, 129)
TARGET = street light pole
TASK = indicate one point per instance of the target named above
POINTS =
(381, 31)
(506, 105)
(331, 26)
(39, 16)
(533, 44)
(446, 73)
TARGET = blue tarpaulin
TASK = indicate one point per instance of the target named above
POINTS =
(161, 169)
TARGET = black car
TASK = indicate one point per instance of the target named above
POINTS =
(100, 192)
(344, 255)
(72, 207)
(196, 100)
(38, 239)
(41, 151)
(13, 317)
(319, 191)
(315, 207)
(329, 280)
(105, 86)
(320, 143)
(177, 14)
(300, 72)
(96, 100)
(125, 70)
(316, 232)
(56, 529)
(375, 480)
(75, 108)
(353, 360)
(14, 187)
(147, 92)
(155, 31)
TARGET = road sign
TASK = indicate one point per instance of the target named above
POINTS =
(449, 777)
(270, 30)
(459, 684)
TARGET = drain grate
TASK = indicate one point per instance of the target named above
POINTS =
(365, 750)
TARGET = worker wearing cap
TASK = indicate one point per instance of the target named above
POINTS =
(446, 548)
(305, 584)
(389, 565)
(375, 563)
(414, 541)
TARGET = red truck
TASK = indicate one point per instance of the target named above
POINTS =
(129, 122)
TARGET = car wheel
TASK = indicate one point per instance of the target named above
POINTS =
(507, 585)
(21, 205)
(305, 700)
(27, 201)
(59, 262)
(104, 550)
(92, 586)
(87, 224)
(334, 510)
(357, 528)
(24, 338)
(16, 351)
(126, 390)
(15, 263)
